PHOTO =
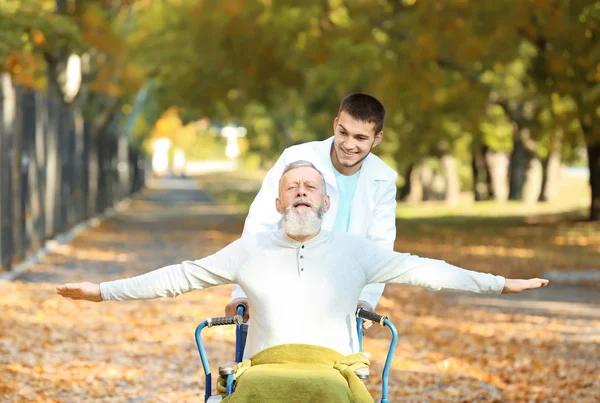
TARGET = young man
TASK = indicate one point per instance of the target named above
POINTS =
(320, 274)
(361, 186)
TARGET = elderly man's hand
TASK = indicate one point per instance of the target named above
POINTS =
(367, 307)
(231, 308)
(513, 286)
(85, 291)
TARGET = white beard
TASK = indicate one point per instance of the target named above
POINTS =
(302, 221)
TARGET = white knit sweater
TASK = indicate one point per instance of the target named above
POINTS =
(301, 292)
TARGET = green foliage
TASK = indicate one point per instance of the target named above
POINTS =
(497, 130)
(450, 73)
(208, 146)
(32, 26)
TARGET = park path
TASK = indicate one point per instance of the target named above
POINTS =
(56, 350)
(542, 346)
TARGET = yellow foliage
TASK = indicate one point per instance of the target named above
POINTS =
(96, 30)
(168, 123)
(170, 126)
(37, 37)
(243, 144)
(113, 79)
(132, 76)
(185, 136)
(23, 68)
(339, 16)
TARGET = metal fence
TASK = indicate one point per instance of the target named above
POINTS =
(54, 173)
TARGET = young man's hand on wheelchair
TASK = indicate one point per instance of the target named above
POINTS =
(367, 307)
(231, 310)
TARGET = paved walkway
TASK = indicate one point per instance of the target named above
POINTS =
(56, 350)
(453, 346)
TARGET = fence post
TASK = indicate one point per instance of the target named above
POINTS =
(67, 151)
(101, 174)
(41, 127)
(28, 177)
(53, 167)
(123, 166)
(7, 112)
(79, 159)
(54, 171)
(17, 183)
(91, 171)
(32, 169)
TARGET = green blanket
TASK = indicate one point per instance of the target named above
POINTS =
(299, 373)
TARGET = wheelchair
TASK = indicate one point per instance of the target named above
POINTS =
(227, 371)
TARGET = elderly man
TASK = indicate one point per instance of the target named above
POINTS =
(319, 274)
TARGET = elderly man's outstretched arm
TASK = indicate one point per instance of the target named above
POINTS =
(383, 266)
(169, 281)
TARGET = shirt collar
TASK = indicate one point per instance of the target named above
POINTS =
(282, 238)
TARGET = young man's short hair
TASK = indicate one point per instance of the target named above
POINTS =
(365, 108)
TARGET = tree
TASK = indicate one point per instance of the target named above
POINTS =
(566, 36)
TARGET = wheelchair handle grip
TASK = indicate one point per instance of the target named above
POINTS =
(362, 313)
(225, 320)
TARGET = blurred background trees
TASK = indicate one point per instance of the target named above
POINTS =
(481, 95)
(66, 91)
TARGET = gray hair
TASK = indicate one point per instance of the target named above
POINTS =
(303, 163)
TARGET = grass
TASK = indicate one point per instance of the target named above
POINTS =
(573, 194)
(233, 188)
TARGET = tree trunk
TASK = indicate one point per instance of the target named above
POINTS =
(517, 169)
(593, 151)
(488, 176)
(452, 194)
(552, 166)
(406, 189)
(481, 189)
(415, 186)
(498, 162)
(426, 175)
(533, 181)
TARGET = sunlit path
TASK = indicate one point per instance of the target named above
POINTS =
(453, 347)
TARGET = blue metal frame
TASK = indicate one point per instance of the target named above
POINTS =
(388, 360)
(229, 389)
(359, 330)
(239, 352)
(239, 348)
(204, 359)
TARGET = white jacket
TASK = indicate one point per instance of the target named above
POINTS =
(373, 213)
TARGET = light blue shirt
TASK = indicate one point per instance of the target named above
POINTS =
(346, 186)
